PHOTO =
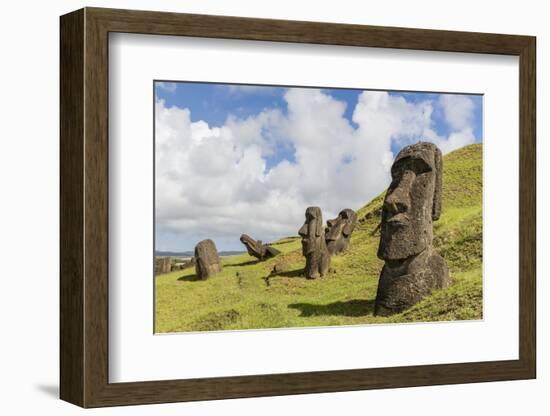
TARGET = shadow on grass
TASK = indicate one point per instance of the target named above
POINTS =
(354, 307)
(299, 273)
(190, 278)
(289, 273)
(244, 263)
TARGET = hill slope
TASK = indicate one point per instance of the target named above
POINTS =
(247, 294)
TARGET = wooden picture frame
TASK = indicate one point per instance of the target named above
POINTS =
(84, 207)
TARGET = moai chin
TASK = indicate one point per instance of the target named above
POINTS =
(339, 229)
(314, 247)
(257, 249)
(412, 268)
(207, 260)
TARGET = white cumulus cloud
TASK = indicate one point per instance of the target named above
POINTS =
(214, 182)
(167, 86)
(458, 110)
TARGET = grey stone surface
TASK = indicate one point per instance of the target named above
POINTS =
(412, 268)
(339, 230)
(207, 260)
(163, 265)
(256, 249)
(314, 246)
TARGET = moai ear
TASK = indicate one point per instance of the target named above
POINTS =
(319, 225)
(438, 188)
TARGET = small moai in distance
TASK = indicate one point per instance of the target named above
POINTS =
(314, 246)
(412, 268)
(207, 260)
(256, 249)
(163, 265)
(338, 232)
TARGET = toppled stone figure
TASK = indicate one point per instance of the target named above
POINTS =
(339, 229)
(207, 260)
(314, 247)
(412, 268)
(257, 249)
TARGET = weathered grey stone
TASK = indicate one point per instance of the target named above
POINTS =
(314, 246)
(413, 200)
(207, 260)
(338, 232)
(257, 249)
(163, 265)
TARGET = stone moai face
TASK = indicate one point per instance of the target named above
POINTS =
(207, 260)
(412, 202)
(339, 229)
(312, 231)
(314, 247)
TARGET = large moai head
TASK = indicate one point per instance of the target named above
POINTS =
(339, 229)
(257, 249)
(253, 247)
(314, 247)
(412, 202)
(207, 260)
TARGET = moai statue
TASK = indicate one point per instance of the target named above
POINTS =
(257, 249)
(314, 246)
(163, 265)
(207, 260)
(338, 233)
(412, 268)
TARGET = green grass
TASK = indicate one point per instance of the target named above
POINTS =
(247, 294)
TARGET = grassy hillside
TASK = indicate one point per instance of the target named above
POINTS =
(249, 294)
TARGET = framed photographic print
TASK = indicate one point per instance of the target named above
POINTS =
(255, 207)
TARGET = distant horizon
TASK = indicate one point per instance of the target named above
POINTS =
(161, 253)
(234, 159)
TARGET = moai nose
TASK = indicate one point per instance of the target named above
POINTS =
(399, 200)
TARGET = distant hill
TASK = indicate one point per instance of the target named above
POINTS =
(191, 253)
(247, 294)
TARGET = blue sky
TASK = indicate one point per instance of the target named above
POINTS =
(254, 149)
(212, 102)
